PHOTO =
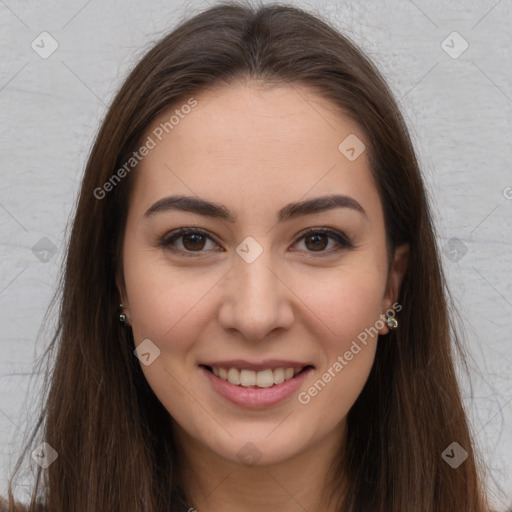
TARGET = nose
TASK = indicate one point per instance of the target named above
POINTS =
(256, 299)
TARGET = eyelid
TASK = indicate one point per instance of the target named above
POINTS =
(176, 234)
(340, 237)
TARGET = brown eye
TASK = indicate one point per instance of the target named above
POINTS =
(317, 240)
(192, 241)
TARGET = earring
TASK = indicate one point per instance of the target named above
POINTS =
(392, 322)
(122, 317)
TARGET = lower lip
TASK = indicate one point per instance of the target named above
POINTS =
(256, 397)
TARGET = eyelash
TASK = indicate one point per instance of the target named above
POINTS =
(340, 238)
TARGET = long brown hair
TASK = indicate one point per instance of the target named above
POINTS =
(111, 433)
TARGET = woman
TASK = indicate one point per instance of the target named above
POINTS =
(253, 312)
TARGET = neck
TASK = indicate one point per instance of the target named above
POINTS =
(298, 484)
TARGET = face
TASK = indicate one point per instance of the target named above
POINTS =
(247, 294)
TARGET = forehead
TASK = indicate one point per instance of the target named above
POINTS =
(244, 141)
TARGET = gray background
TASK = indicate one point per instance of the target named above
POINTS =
(458, 109)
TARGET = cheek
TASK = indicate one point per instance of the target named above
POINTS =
(345, 301)
(167, 307)
(166, 303)
(347, 308)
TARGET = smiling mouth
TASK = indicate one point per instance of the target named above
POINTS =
(256, 379)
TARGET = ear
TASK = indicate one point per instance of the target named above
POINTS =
(396, 274)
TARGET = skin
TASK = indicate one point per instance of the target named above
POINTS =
(255, 150)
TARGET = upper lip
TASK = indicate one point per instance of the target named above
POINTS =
(266, 364)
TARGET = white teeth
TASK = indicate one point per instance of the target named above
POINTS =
(278, 375)
(247, 378)
(234, 376)
(265, 379)
(250, 378)
(288, 373)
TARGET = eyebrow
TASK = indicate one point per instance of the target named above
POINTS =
(219, 211)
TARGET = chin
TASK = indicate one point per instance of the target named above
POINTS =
(258, 447)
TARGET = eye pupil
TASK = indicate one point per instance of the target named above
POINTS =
(196, 236)
(315, 244)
